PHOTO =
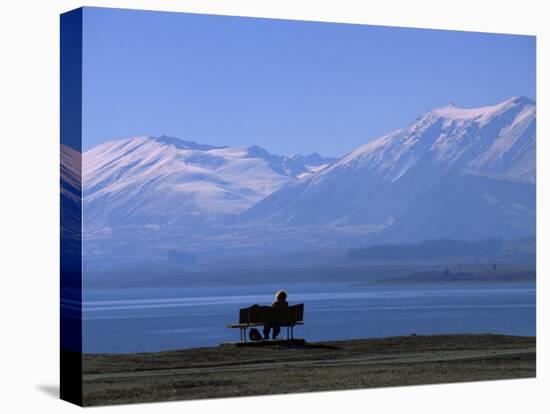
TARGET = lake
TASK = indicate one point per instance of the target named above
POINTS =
(155, 319)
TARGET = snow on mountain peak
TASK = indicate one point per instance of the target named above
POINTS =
(451, 135)
(183, 144)
(480, 114)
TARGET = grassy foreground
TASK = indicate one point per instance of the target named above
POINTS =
(228, 371)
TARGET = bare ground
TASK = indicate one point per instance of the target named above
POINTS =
(229, 371)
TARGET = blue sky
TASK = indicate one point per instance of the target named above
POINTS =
(288, 86)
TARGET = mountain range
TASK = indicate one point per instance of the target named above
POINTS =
(452, 172)
(168, 181)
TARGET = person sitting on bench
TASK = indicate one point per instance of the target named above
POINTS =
(279, 303)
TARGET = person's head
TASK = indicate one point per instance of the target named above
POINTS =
(281, 295)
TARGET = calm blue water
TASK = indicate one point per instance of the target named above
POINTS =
(141, 320)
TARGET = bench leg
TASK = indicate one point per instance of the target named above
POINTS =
(243, 334)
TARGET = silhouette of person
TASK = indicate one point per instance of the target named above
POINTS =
(279, 303)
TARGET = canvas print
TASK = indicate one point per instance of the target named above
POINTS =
(259, 206)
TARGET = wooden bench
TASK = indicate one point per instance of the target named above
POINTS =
(266, 315)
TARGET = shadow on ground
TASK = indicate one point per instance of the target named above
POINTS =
(49, 389)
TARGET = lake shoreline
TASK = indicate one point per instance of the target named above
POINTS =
(168, 319)
(230, 371)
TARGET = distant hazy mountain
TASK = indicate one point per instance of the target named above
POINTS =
(452, 172)
(168, 181)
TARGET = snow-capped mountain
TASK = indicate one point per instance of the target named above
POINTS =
(452, 172)
(70, 191)
(383, 179)
(166, 180)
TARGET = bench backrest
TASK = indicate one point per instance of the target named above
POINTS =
(268, 314)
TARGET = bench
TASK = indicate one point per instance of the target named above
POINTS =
(266, 315)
